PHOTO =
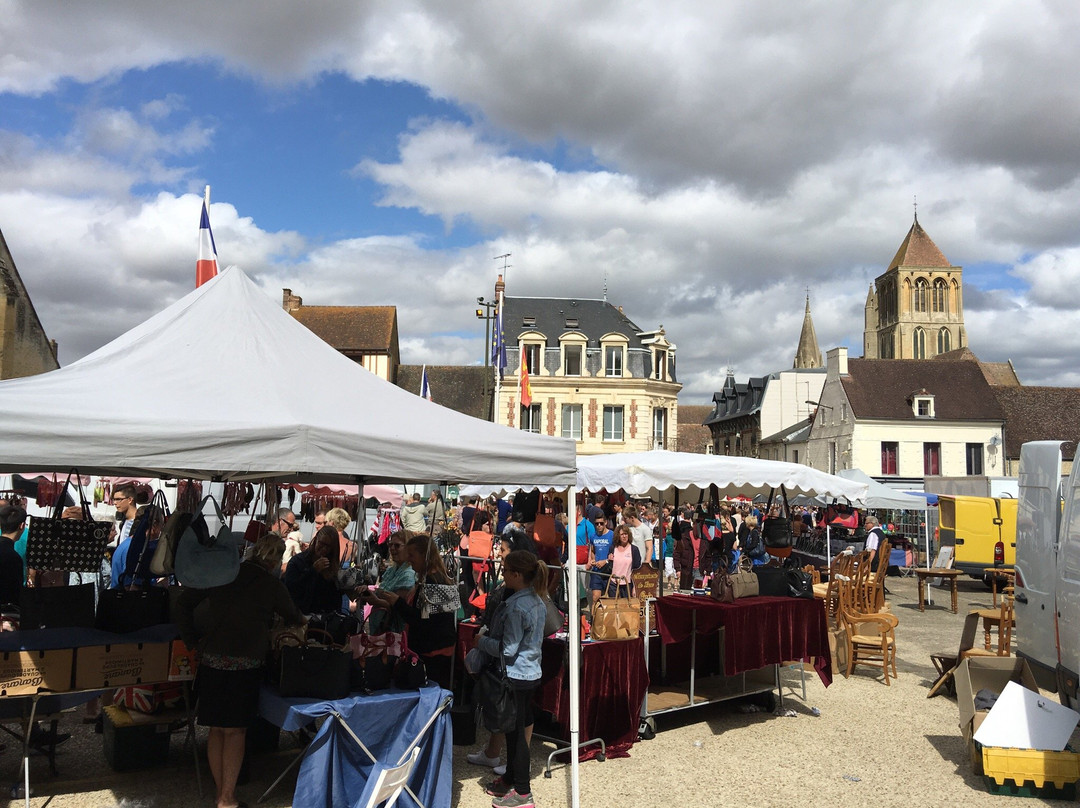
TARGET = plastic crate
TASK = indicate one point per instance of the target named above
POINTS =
(1031, 772)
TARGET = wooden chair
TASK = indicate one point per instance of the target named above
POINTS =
(813, 572)
(870, 636)
(839, 570)
(1003, 618)
(874, 589)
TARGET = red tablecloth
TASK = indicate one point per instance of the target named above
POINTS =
(613, 684)
(759, 631)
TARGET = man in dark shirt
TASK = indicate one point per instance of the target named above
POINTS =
(310, 577)
(12, 521)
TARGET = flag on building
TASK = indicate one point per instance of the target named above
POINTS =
(425, 388)
(498, 347)
(526, 388)
(206, 265)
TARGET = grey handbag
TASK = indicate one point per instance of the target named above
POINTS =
(203, 559)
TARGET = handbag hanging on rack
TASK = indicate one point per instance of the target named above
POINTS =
(123, 611)
(143, 543)
(75, 545)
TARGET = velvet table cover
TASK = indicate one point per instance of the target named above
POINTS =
(758, 631)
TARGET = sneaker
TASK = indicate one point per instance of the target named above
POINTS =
(513, 800)
(480, 759)
(498, 788)
(500, 770)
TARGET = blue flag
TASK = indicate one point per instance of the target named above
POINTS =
(498, 347)
(425, 388)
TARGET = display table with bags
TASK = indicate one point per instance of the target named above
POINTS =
(335, 768)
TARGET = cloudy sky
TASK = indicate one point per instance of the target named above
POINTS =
(712, 161)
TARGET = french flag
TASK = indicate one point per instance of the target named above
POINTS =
(206, 265)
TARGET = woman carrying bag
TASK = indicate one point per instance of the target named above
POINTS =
(514, 641)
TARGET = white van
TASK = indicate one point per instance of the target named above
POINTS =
(1048, 569)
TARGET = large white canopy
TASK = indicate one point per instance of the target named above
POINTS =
(879, 495)
(202, 390)
(652, 474)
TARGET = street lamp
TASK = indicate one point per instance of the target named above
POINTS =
(486, 311)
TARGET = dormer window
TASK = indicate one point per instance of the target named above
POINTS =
(923, 406)
(613, 356)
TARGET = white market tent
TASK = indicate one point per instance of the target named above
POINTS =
(199, 390)
(880, 495)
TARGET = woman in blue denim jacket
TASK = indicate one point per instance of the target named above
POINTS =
(515, 638)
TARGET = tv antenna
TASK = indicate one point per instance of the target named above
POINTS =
(505, 258)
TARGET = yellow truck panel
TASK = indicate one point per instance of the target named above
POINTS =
(972, 526)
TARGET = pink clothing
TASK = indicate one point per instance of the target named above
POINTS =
(622, 563)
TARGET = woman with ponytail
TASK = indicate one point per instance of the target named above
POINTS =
(514, 640)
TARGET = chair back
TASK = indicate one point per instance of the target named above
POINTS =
(391, 780)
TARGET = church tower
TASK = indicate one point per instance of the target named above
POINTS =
(808, 355)
(915, 310)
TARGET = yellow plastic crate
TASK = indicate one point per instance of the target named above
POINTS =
(1031, 765)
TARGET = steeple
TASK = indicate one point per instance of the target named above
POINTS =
(808, 354)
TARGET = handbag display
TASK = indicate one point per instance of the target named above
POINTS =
(772, 581)
(75, 545)
(800, 584)
(123, 611)
(57, 607)
(141, 547)
(729, 587)
(615, 618)
(163, 561)
(315, 671)
(205, 560)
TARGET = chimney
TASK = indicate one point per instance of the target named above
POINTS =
(836, 362)
(500, 287)
(289, 301)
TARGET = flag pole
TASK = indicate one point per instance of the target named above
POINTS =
(206, 197)
(500, 337)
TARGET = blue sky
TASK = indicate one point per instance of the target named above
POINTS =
(712, 161)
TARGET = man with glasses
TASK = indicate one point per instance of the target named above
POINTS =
(599, 557)
(123, 499)
(286, 522)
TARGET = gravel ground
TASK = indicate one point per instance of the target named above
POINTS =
(872, 745)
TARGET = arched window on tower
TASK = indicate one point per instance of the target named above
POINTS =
(940, 300)
(885, 346)
(944, 341)
(922, 294)
(918, 344)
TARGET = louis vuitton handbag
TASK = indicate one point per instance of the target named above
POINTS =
(75, 545)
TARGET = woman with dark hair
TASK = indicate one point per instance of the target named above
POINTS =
(311, 577)
(428, 610)
(230, 625)
(690, 554)
(514, 640)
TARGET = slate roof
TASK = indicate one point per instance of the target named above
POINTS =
(882, 389)
(1040, 413)
(457, 387)
(918, 250)
(351, 328)
(593, 318)
(736, 399)
(693, 434)
(796, 433)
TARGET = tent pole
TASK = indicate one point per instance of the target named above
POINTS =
(575, 647)
(926, 532)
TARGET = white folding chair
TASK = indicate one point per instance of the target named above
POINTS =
(391, 781)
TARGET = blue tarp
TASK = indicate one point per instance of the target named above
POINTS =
(335, 770)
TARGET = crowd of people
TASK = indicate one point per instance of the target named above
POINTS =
(511, 581)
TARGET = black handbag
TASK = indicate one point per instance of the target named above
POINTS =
(379, 671)
(410, 673)
(75, 545)
(497, 705)
(772, 581)
(800, 584)
(141, 546)
(315, 671)
(339, 626)
(57, 607)
(122, 611)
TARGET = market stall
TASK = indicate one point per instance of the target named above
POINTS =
(197, 391)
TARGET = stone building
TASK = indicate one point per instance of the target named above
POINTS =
(25, 349)
(596, 377)
(915, 310)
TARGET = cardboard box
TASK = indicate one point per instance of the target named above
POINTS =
(24, 673)
(992, 673)
(182, 662)
(121, 664)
